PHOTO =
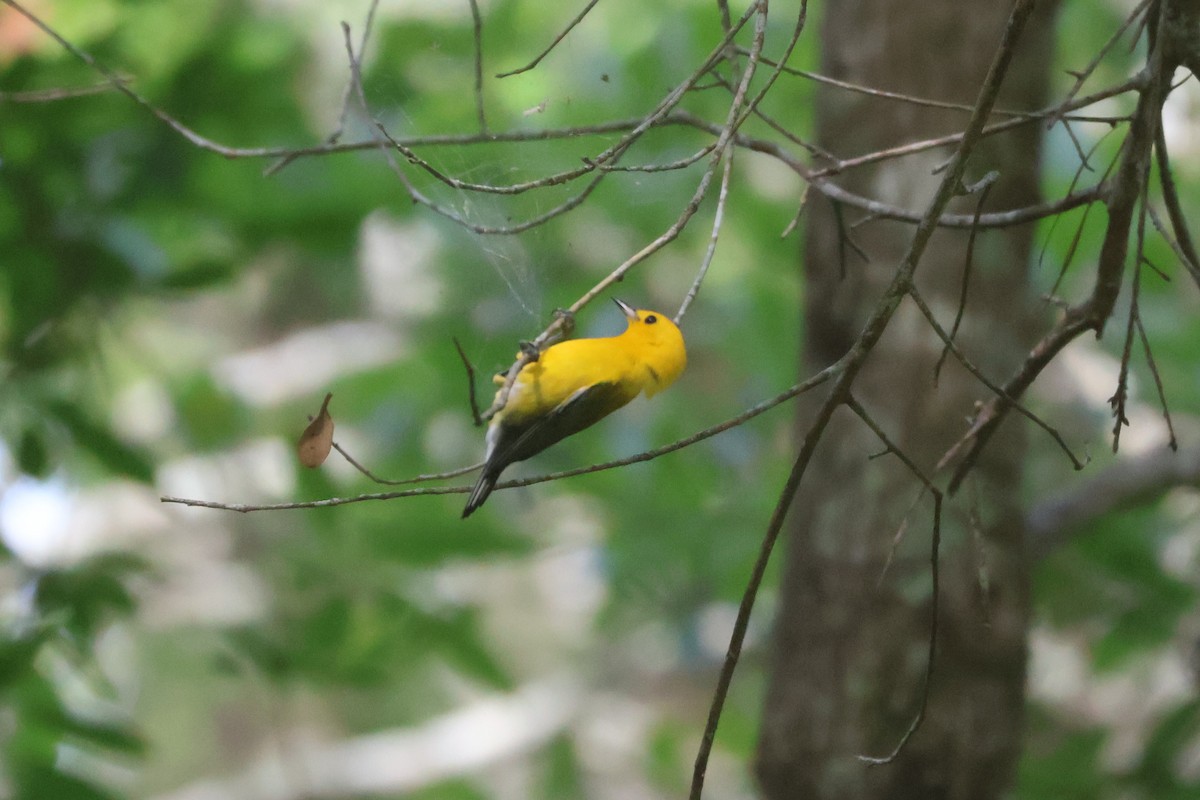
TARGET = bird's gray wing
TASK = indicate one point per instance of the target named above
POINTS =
(519, 440)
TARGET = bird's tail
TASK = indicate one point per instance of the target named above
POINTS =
(483, 487)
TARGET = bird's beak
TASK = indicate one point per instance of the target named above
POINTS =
(626, 309)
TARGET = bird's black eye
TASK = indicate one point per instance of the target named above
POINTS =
(650, 320)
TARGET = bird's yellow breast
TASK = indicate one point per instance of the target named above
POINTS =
(647, 357)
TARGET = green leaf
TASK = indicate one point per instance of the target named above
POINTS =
(456, 789)
(17, 654)
(201, 275)
(1066, 772)
(210, 416)
(462, 645)
(32, 458)
(108, 736)
(255, 645)
(101, 443)
(564, 774)
(89, 594)
(1174, 735)
(48, 783)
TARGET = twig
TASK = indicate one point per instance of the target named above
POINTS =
(1126, 482)
(669, 166)
(437, 476)
(635, 127)
(1082, 76)
(795, 220)
(898, 537)
(488, 230)
(1083, 159)
(1175, 246)
(1073, 247)
(935, 597)
(1000, 219)
(718, 220)
(663, 115)
(1121, 395)
(990, 179)
(914, 100)
(115, 80)
(785, 132)
(1093, 313)
(1183, 236)
(1172, 442)
(844, 239)
(1136, 82)
(850, 364)
(477, 33)
(347, 91)
(742, 621)
(997, 390)
(470, 382)
(745, 416)
(562, 34)
(726, 136)
(61, 93)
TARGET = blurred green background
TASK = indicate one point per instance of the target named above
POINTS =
(168, 318)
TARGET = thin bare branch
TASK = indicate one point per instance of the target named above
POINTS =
(844, 239)
(437, 476)
(1125, 483)
(742, 622)
(1135, 83)
(964, 285)
(1121, 395)
(1175, 245)
(347, 93)
(60, 93)
(1073, 247)
(718, 221)
(1172, 442)
(669, 166)
(795, 220)
(745, 416)
(1094, 312)
(470, 368)
(935, 543)
(926, 102)
(1000, 219)
(477, 34)
(726, 136)
(851, 363)
(1082, 76)
(935, 592)
(1183, 242)
(662, 115)
(562, 34)
(1083, 158)
(997, 390)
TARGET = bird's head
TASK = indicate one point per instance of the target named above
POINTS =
(657, 344)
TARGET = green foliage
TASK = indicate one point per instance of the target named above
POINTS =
(1111, 579)
(1067, 769)
(563, 773)
(70, 609)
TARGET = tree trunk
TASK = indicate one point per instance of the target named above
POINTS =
(852, 631)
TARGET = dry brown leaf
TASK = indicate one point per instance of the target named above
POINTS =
(317, 439)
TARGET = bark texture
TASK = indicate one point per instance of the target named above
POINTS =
(850, 648)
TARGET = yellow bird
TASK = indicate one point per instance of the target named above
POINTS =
(575, 384)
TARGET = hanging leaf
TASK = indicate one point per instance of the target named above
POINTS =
(317, 439)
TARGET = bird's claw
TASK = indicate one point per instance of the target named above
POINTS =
(566, 321)
(529, 350)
